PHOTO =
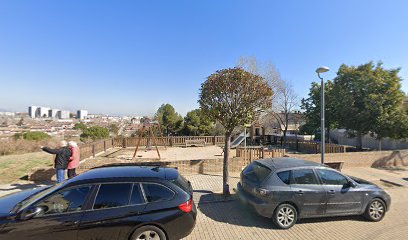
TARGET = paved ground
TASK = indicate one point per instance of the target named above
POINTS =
(220, 218)
(231, 220)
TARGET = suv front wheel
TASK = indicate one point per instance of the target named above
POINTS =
(285, 216)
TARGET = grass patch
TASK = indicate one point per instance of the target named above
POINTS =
(16, 167)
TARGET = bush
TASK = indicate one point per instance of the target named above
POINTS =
(94, 133)
(80, 126)
(35, 136)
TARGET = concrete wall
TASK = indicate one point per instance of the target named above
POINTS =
(340, 136)
(362, 159)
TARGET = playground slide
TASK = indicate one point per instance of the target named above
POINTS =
(237, 141)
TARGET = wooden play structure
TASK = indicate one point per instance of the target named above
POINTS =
(148, 130)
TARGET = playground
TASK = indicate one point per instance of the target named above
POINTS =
(169, 153)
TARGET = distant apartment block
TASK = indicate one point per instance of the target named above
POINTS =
(32, 111)
(82, 114)
(9, 114)
(53, 113)
(63, 114)
(43, 112)
(46, 112)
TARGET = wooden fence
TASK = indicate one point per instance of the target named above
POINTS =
(168, 141)
(93, 148)
(315, 147)
(254, 153)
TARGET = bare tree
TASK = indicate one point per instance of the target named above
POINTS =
(284, 100)
(266, 70)
(284, 104)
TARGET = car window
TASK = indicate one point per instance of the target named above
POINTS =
(113, 195)
(156, 192)
(284, 176)
(182, 182)
(304, 176)
(329, 177)
(137, 197)
(70, 200)
(256, 172)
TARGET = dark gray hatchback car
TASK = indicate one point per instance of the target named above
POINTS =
(287, 189)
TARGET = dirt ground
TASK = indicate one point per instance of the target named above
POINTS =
(172, 153)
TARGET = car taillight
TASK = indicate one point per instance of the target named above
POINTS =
(187, 206)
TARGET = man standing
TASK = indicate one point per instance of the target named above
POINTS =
(61, 159)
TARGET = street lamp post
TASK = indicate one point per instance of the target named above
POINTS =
(322, 127)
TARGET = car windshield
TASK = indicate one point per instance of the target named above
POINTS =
(31, 199)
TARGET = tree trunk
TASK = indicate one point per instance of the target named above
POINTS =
(227, 145)
(328, 134)
(379, 144)
(359, 141)
(284, 137)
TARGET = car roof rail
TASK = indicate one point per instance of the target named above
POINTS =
(154, 165)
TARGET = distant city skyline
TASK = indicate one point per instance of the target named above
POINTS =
(129, 57)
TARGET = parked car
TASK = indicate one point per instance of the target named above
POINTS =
(126, 202)
(287, 189)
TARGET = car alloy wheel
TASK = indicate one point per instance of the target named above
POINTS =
(148, 235)
(286, 216)
(376, 210)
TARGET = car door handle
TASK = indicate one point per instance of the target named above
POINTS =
(300, 192)
(73, 223)
(331, 192)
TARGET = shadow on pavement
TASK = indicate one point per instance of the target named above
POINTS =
(232, 211)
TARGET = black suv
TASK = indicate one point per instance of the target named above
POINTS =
(286, 189)
(126, 202)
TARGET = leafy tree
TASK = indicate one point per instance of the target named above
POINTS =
(35, 136)
(94, 133)
(195, 123)
(169, 119)
(113, 128)
(80, 126)
(232, 97)
(217, 130)
(367, 99)
(312, 107)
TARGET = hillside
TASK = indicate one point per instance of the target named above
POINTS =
(13, 168)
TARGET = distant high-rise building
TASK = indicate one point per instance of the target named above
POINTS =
(63, 114)
(43, 112)
(53, 113)
(32, 111)
(82, 114)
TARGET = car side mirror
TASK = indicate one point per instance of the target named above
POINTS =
(352, 184)
(31, 212)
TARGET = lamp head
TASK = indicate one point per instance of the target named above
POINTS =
(322, 69)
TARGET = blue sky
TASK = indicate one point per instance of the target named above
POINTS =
(129, 57)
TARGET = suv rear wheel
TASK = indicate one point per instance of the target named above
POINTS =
(148, 233)
(285, 216)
